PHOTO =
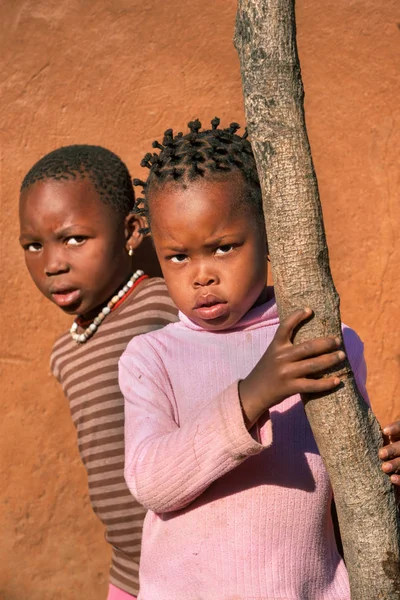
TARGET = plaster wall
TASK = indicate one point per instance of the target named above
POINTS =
(118, 73)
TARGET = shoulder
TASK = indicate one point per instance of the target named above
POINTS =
(353, 345)
(150, 308)
(355, 353)
(155, 289)
(148, 353)
(145, 359)
(60, 351)
(152, 298)
(156, 341)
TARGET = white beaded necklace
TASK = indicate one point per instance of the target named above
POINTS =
(81, 338)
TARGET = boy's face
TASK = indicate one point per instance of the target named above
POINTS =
(212, 250)
(74, 244)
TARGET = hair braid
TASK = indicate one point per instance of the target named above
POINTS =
(206, 154)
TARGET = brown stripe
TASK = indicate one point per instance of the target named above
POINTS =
(102, 413)
(109, 521)
(104, 355)
(123, 506)
(135, 527)
(131, 530)
(98, 390)
(60, 343)
(128, 543)
(97, 477)
(84, 372)
(129, 585)
(109, 370)
(70, 351)
(100, 399)
(111, 481)
(105, 468)
(109, 440)
(109, 458)
(84, 431)
(115, 452)
(124, 558)
(109, 349)
(124, 570)
(108, 495)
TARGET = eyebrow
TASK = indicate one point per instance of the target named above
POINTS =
(27, 236)
(217, 241)
(71, 230)
(65, 232)
(181, 250)
(211, 244)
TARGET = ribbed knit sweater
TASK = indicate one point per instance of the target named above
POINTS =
(232, 514)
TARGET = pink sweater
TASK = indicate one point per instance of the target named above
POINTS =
(232, 515)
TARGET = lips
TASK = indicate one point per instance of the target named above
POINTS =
(210, 307)
(65, 296)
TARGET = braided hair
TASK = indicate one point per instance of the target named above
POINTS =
(105, 170)
(208, 154)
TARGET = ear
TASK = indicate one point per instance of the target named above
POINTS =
(133, 236)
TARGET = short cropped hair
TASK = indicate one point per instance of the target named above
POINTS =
(106, 171)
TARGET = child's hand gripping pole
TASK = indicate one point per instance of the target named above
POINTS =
(390, 454)
(287, 369)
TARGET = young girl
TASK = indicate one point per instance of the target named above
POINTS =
(217, 444)
(79, 236)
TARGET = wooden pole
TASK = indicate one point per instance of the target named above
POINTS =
(347, 434)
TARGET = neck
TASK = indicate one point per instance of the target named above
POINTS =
(90, 315)
(263, 297)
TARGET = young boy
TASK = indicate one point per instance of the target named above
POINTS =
(78, 233)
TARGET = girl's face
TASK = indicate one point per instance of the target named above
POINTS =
(75, 246)
(212, 250)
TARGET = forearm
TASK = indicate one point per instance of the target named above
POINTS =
(170, 469)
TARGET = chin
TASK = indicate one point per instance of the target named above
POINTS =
(69, 310)
(72, 309)
(218, 324)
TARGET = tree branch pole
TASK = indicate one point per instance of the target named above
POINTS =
(347, 434)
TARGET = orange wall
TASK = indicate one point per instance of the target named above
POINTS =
(117, 73)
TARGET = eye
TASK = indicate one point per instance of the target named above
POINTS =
(33, 247)
(75, 240)
(226, 249)
(178, 258)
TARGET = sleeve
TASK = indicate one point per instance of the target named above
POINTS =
(54, 368)
(355, 353)
(167, 466)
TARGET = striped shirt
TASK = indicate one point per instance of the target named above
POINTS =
(88, 374)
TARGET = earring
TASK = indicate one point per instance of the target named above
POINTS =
(130, 252)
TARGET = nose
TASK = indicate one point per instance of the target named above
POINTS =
(55, 262)
(205, 277)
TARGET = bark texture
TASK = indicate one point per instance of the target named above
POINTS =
(347, 434)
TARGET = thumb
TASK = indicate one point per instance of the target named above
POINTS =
(284, 333)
